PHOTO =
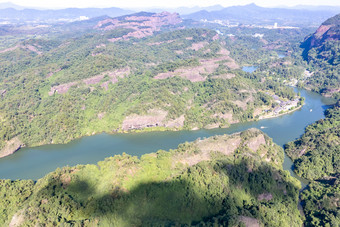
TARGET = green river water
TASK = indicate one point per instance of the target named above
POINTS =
(34, 163)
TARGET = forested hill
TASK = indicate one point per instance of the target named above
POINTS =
(144, 71)
(317, 153)
(316, 157)
(229, 180)
(322, 51)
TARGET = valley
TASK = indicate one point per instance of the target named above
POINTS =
(132, 80)
(105, 118)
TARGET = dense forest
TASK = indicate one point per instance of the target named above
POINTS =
(316, 157)
(228, 180)
(316, 154)
(66, 85)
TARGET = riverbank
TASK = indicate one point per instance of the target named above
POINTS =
(10, 150)
(199, 177)
(11, 147)
(35, 162)
(280, 114)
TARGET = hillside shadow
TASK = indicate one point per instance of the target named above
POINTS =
(306, 45)
(195, 197)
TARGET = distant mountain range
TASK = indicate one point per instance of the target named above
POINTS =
(184, 10)
(315, 8)
(253, 14)
(248, 14)
(6, 5)
(15, 13)
(24, 15)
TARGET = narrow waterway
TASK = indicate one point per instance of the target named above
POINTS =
(34, 163)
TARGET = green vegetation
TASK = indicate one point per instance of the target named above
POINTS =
(165, 188)
(12, 195)
(321, 50)
(321, 204)
(36, 114)
(324, 62)
(316, 154)
(316, 157)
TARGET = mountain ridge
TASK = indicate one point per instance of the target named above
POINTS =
(38, 15)
(263, 15)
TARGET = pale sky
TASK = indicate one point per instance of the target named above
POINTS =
(53, 4)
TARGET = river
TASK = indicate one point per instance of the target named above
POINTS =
(34, 163)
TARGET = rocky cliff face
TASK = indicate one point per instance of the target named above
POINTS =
(11, 146)
(142, 24)
(321, 50)
(328, 31)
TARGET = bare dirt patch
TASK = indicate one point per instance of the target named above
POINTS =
(193, 160)
(211, 126)
(33, 49)
(62, 88)
(230, 63)
(258, 111)
(142, 26)
(216, 37)
(11, 146)
(9, 49)
(265, 196)
(94, 80)
(53, 72)
(176, 123)
(225, 144)
(159, 43)
(243, 103)
(227, 116)
(154, 118)
(207, 66)
(65, 180)
(101, 45)
(226, 76)
(24, 47)
(114, 75)
(255, 143)
(101, 115)
(192, 74)
(17, 219)
(249, 222)
(198, 46)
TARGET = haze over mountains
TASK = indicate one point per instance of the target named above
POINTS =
(253, 14)
(297, 16)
